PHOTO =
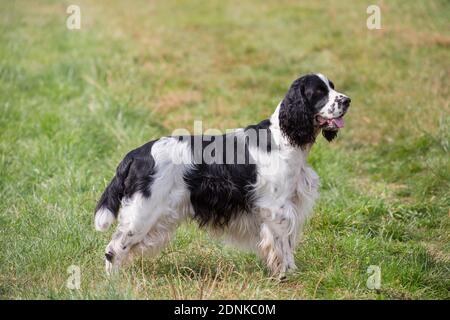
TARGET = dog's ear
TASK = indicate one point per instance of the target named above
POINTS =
(296, 116)
(329, 134)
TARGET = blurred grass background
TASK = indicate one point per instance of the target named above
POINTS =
(73, 103)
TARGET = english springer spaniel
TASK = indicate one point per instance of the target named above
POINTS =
(252, 187)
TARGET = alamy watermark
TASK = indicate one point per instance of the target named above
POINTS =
(234, 146)
(74, 280)
(73, 21)
(374, 279)
(374, 20)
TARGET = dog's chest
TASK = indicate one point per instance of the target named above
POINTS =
(281, 174)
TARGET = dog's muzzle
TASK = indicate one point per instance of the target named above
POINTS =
(335, 123)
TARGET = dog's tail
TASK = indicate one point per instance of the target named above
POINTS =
(109, 204)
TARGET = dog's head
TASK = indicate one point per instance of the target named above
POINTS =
(312, 104)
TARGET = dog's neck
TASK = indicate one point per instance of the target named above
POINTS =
(280, 139)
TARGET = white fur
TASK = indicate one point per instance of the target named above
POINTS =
(103, 219)
(331, 105)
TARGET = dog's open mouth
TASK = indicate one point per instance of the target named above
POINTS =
(331, 124)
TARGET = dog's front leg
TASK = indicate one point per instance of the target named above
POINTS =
(277, 239)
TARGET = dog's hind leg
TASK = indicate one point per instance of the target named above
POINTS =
(115, 254)
(136, 218)
(157, 237)
(145, 227)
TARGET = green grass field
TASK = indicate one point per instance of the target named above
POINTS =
(73, 103)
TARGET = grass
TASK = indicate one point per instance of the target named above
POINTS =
(73, 103)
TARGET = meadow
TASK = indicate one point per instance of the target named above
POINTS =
(74, 102)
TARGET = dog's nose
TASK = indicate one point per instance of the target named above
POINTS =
(346, 103)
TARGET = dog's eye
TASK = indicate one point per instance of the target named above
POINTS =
(319, 91)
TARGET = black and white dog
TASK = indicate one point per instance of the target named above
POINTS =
(252, 187)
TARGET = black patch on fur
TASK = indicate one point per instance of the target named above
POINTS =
(305, 98)
(219, 191)
(134, 173)
(329, 134)
(296, 117)
(259, 128)
(331, 84)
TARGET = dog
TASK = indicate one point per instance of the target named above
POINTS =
(254, 189)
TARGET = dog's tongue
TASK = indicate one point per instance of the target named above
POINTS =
(338, 122)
